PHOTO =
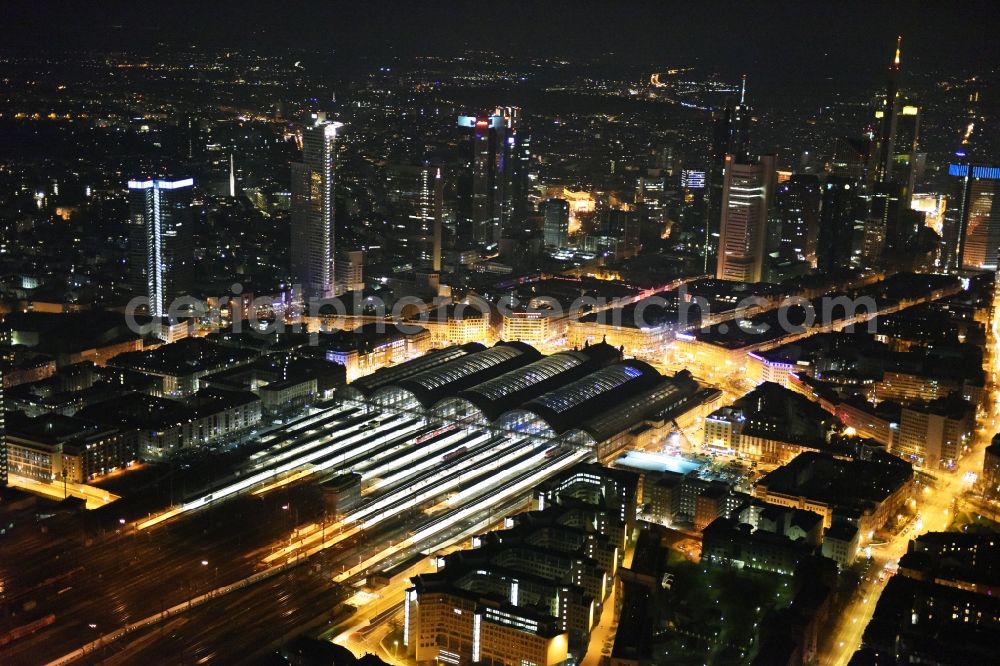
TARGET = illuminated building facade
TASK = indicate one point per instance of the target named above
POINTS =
(770, 424)
(365, 349)
(935, 434)
(160, 253)
(797, 203)
(971, 231)
(865, 493)
(748, 187)
(457, 325)
(313, 244)
(730, 136)
(52, 447)
(532, 327)
(349, 270)
(646, 341)
(529, 593)
(515, 166)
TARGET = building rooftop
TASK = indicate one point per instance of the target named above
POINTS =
(772, 411)
(848, 484)
(52, 429)
(184, 357)
(392, 375)
(467, 371)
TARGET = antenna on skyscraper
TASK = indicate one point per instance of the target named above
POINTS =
(743, 90)
(899, 47)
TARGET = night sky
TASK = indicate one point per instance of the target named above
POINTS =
(778, 44)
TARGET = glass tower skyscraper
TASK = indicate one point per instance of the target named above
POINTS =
(160, 252)
(313, 232)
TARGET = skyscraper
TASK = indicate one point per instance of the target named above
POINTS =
(730, 136)
(852, 157)
(651, 199)
(797, 204)
(515, 161)
(313, 230)
(837, 248)
(438, 227)
(412, 192)
(972, 222)
(897, 135)
(350, 270)
(160, 250)
(690, 234)
(747, 191)
(480, 195)
(556, 226)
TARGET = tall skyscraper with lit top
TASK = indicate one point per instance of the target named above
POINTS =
(730, 136)
(313, 231)
(492, 185)
(897, 135)
(480, 149)
(160, 244)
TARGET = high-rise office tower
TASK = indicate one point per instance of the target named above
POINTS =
(797, 202)
(651, 199)
(160, 250)
(411, 196)
(438, 227)
(901, 224)
(886, 111)
(313, 229)
(556, 226)
(513, 167)
(905, 160)
(350, 270)
(747, 192)
(837, 248)
(691, 234)
(897, 135)
(731, 128)
(730, 136)
(972, 221)
(618, 231)
(480, 182)
(852, 157)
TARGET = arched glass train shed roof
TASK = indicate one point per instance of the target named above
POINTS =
(392, 375)
(449, 378)
(589, 393)
(569, 405)
(512, 389)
